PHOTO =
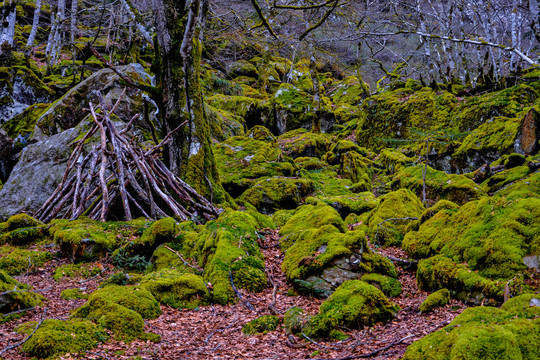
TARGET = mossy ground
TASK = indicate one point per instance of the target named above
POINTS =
(17, 261)
(485, 333)
(261, 325)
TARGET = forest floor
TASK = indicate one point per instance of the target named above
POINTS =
(215, 332)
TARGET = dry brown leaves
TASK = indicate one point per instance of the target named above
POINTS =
(215, 332)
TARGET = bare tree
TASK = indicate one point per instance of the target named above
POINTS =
(8, 17)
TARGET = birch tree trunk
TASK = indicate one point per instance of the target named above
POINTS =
(35, 25)
(8, 17)
(74, 9)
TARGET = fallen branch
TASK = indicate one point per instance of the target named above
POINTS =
(17, 311)
(14, 346)
(244, 301)
(198, 269)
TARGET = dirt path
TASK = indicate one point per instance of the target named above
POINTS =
(215, 332)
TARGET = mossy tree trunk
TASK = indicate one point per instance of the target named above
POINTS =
(179, 31)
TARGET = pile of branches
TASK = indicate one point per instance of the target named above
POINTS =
(117, 169)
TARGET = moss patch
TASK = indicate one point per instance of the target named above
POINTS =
(176, 289)
(16, 261)
(83, 270)
(57, 337)
(437, 299)
(390, 286)
(20, 299)
(483, 333)
(354, 304)
(261, 325)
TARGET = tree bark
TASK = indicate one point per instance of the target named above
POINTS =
(8, 16)
(35, 25)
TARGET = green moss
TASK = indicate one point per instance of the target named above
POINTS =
(340, 148)
(229, 239)
(83, 270)
(393, 160)
(16, 295)
(327, 182)
(25, 122)
(242, 161)
(15, 261)
(295, 320)
(275, 193)
(491, 235)
(177, 289)
(57, 337)
(440, 272)
(261, 325)
(349, 91)
(281, 217)
(121, 310)
(261, 133)
(303, 143)
(438, 299)
(76, 293)
(316, 249)
(375, 263)
(223, 124)
(355, 203)
(482, 333)
(430, 212)
(439, 185)
(505, 177)
(398, 205)
(309, 217)
(354, 304)
(250, 109)
(161, 231)
(248, 273)
(355, 167)
(390, 286)
(23, 236)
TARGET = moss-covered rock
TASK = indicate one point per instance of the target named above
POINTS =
(295, 320)
(230, 239)
(484, 333)
(491, 235)
(252, 110)
(160, 232)
(84, 239)
(438, 184)
(398, 205)
(505, 177)
(58, 337)
(269, 195)
(355, 167)
(349, 91)
(21, 221)
(223, 124)
(176, 289)
(242, 161)
(121, 309)
(16, 261)
(303, 143)
(242, 68)
(430, 212)
(16, 295)
(390, 286)
(327, 182)
(261, 325)
(354, 304)
(346, 204)
(437, 299)
(440, 272)
(308, 217)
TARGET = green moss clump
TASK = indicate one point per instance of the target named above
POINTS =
(354, 304)
(390, 286)
(281, 217)
(306, 217)
(346, 204)
(17, 261)
(248, 273)
(261, 325)
(176, 289)
(316, 249)
(121, 310)
(224, 241)
(439, 185)
(491, 235)
(399, 204)
(483, 333)
(21, 221)
(57, 337)
(275, 193)
(430, 212)
(161, 231)
(24, 123)
(440, 272)
(505, 177)
(72, 294)
(295, 321)
(302, 143)
(356, 168)
(22, 298)
(82, 270)
(327, 182)
(242, 161)
(437, 299)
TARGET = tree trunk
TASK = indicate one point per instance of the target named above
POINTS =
(35, 25)
(8, 16)
(179, 31)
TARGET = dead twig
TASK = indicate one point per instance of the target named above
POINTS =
(14, 346)
(197, 268)
(244, 301)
